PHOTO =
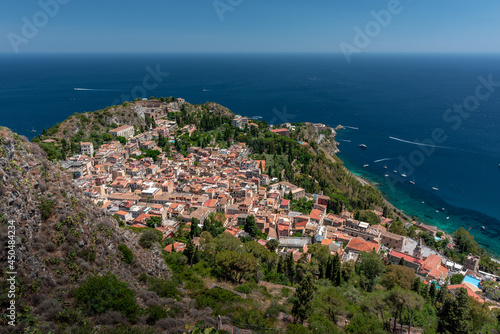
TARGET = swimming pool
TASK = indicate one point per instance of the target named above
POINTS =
(472, 280)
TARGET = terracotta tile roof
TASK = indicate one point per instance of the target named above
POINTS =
(433, 261)
(122, 213)
(469, 291)
(316, 214)
(362, 245)
(326, 241)
(408, 258)
(177, 246)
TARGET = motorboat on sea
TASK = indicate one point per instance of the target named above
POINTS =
(366, 165)
(403, 175)
(435, 188)
(363, 146)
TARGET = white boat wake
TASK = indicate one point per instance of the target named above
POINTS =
(385, 159)
(421, 144)
(99, 90)
(350, 127)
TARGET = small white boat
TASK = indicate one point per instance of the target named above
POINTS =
(403, 175)
(395, 171)
(484, 228)
(435, 188)
(437, 210)
(442, 209)
(385, 167)
(423, 202)
(363, 146)
(386, 175)
(412, 181)
(366, 165)
(447, 217)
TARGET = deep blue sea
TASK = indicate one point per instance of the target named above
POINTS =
(389, 102)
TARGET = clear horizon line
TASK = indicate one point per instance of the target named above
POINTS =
(246, 52)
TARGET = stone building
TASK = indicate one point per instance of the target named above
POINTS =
(126, 131)
(87, 148)
(472, 262)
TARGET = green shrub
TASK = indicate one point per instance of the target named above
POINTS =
(143, 277)
(274, 309)
(217, 299)
(99, 294)
(247, 287)
(119, 220)
(164, 288)
(456, 279)
(285, 292)
(127, 255)
(148, 238)
(46, 206)
(156, 313)
(72, 316)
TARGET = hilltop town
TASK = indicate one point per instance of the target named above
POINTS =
(186, 171)
(187, 189)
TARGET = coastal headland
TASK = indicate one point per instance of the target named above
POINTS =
(214, 195)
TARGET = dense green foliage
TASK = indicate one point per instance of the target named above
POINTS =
(148, 238)
(46, 207)
(99, 294)
(154, 221)
(126, 254)
(367, 216)
(251, 227)
(456, 279)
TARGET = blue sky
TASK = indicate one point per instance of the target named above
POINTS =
(249, 26)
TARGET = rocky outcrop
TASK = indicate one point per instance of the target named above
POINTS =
(61, 237)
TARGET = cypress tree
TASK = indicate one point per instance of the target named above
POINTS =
(432, 292)
(304, 294)
(189, 251)
(337, 270)
(281, 266)
(290, 267)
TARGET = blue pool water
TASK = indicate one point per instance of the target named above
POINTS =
(472, 280)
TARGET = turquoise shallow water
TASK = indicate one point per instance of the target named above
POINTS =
(428, 207)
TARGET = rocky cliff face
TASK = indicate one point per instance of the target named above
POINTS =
(61, 238)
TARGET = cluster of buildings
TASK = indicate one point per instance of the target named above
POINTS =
(187, 189)
(212, 180)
